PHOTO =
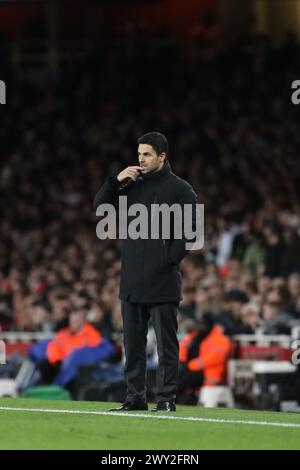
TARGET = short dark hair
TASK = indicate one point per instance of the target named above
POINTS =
(157, 140)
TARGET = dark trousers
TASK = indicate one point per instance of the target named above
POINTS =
(135, 327)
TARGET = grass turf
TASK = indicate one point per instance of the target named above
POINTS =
(40, 430)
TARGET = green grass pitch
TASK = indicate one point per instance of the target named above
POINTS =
(208, 428)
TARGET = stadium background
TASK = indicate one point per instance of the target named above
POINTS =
(84, 80)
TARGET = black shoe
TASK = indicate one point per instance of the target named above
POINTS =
(165, 406)
(135, 406)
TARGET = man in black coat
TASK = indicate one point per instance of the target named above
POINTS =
(150, 277)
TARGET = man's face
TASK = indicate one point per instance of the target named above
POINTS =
(270, 311)
(148, 158)
(76, 321)
(236, 308)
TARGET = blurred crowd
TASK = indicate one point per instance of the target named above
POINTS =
(233, 134)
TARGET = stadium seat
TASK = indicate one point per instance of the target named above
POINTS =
(212, 397)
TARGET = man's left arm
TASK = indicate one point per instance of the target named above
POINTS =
(178, 247)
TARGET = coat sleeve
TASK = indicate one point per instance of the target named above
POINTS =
(178, 246)
(108, 192)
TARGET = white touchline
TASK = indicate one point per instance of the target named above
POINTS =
(135, 415)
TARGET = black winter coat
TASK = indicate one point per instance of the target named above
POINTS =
(150, 268)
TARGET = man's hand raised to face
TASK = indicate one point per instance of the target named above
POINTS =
(129, 172)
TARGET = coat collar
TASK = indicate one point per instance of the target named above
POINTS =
(158, 175)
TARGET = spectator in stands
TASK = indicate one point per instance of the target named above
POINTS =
(250, 316)
(274, 249)
(100, 319)
(231, 318)
(77, 345)
(255, 255)
(291, 254)
(202, 300)
(203, 356)
(275, 320)
(188, 304)
(293, 306)
(41, 318)
(79, 334)
(263, 286)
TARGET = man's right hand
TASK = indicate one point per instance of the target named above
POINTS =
(129, 172)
